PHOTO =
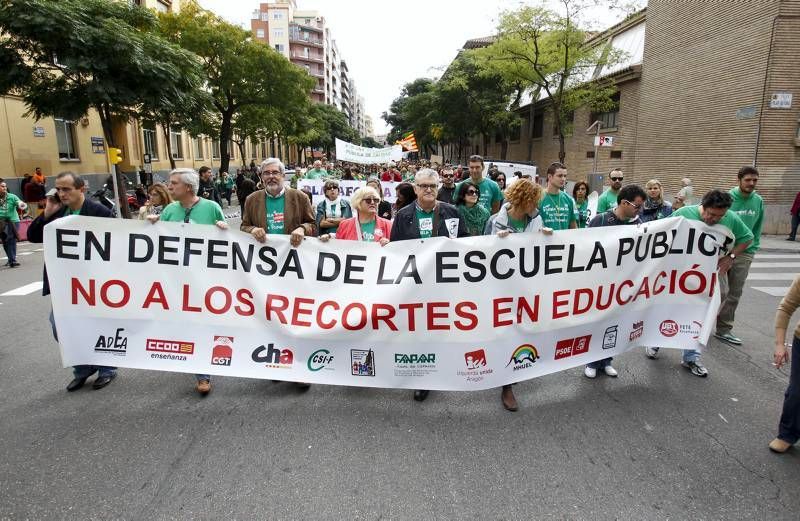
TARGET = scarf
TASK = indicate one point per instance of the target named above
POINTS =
(330, 207)
(475, 218)
(652, 205)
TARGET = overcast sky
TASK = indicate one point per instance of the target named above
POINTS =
(389, 43)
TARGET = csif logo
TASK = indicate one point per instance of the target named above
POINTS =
(117, 344)
(272, 357)
(222, 353)
(320, 359)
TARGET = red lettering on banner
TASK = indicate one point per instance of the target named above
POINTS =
(558, 302)
(577, 309)
(411, 309)
(463, 311)
(245, 298)
(433, 315)
(77, 287)
(126, 294)
(497, 311)
(155, 296)
(186, 305)
(378, 316)
(361, 323)
(524, 305)
(297, 311)
(628, 283)
(278, 310)
(228, 300)
(321, 309)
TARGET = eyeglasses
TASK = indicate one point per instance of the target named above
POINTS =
(447, 176)
(427, 187)
(473, 192)
(271, 172)
(371, 200)
(637, 206)
(616, 178)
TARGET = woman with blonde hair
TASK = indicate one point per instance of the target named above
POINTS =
(158, 198)
(365, 225)
(655, 207)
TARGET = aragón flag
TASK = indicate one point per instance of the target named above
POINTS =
(409, 142)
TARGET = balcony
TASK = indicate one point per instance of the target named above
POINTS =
(309, 58)
(308, 27)
(297, 38)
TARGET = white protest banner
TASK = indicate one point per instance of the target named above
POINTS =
(366, 156)
(346, 189)
(449, 314)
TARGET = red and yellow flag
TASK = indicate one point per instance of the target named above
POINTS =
(409, 142)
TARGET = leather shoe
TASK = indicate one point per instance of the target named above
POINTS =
(102, 381)
(420, 395)
(508, 399)
(76, 383)
(302, 386)
(204, 387)
(779, 446)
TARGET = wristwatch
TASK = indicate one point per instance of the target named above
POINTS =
(732, 255)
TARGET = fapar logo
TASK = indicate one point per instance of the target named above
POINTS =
(169, 349)
(476, 366)
(402, 358)
(414, 364)
(610, 337)
(273, 357)
(572, 346)
(363, 362)
(320, 359)
(523, 357)
(222, 353)
(638, 329)
(668, 328)
(116, 344)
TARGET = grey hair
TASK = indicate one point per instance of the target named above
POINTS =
(426, 173)
(188, 176)
(273, 161)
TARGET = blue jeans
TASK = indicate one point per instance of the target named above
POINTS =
(789, 426)
(84, 371)
(203, 377)
(600, 363)
(689, 355)
(795, 224)
(10, 242)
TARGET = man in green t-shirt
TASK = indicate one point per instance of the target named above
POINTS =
(608, 201)
(490, 193)
(558, 209)
(715, 211)
(9, 222)
(749, 206)
(317, 172)
(190, 208)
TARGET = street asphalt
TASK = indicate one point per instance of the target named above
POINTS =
(655, 443)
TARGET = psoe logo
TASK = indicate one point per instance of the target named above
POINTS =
(273, 357)
(117, 344)
(222, 353)
(170, 346)
(320, 359)
(523, 357)
(572, 346)
(668, 328)
(637, 331)
(413, 359)
(475, 359)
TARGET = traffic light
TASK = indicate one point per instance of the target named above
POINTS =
(115, 156)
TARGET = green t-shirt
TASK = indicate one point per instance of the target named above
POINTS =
(583, 213)
(316, 173)
(607, 201)
(73, 212)
(9, 211)
(425, 220)
(518, 226)
(730, 220)
(490, 192)
(751, 211)
(275, 208)
(368, 231)
(204, 212)
(558, 211)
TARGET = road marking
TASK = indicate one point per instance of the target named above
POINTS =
(777, 256)
(771, 276)
(775, 292)
(27, 289)
(25, 253)
(767, 265)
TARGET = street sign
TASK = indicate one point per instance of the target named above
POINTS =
(781, 100)
(148, 168)
(38, 131)
(147, 159)
(603, 141)
(98, 145)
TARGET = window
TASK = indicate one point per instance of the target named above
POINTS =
(265, 17)
(277, 15)
(260, 33)
(65, 135)
(232, 149)
(163, 6)
(279, 47)
(516, 132)
(198, 148)
(277, 33)
(264, 149)
(616, 154)
(590, 154)
(150, 140)
(607, 119)
(176, 142)
(538, 125)
(215, 148)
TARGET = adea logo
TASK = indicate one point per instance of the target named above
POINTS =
(222, 353)
(117, 344)
(362, 362)
(402, 358)
(637, 331)
(273, 357)
(668, 328)
(320, 359)
(572, 346)
(523, 357)
(475, 359)
(170, 346)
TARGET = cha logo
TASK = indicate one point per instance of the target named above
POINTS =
(272, 357)
(523, 357)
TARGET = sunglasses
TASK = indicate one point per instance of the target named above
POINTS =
(333, 188)
(371, 200)
(473, 192)
(616, 178)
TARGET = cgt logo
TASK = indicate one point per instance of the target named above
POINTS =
(320, 359)
(170, 346)
(572, 346)
(273, 357)
(222, 353)
(668, 328)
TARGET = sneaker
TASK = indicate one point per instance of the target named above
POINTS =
(610, 371)
(729, 338)
(779, 446)
(651, 352)
(203, 387)
(590, 372)
(696, 367)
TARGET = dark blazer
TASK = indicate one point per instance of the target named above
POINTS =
(36, 229)
(405, 225)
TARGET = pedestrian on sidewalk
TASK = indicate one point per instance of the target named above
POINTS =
(69, 198)
(749, 206)
(789, 425)
(9, 223)
(795, 211)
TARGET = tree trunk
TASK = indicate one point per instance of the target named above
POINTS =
(108, 130)
(168, 141)
(485, 144)
(224, 140)
(504, 149)
(532, 116)
(242, 152)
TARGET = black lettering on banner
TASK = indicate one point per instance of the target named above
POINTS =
(272, 266)
(239, 257)
(163, 249)
(475, 265)
(532, 272)
(441, 266)
(350, 268)
(495, 259)
(660, 246)
(337, 267)
(133, 240)
(701, 245)
(92, 243)
(292, 264)
(571, 268)
(548, 258)
(213, 252)
(626, 245)
(188, 251)
(381, 279)
(409, 270)
(61, 243)
(598, 257)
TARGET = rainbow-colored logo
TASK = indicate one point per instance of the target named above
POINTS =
(523, 357)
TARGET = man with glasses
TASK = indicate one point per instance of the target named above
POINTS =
(629, 201)
(332, 210)
(447, 191)
(188, 207)
(558, 209)
(426, 218)
(491, 195)
(608, 201)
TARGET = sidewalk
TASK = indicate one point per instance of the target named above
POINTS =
(779, 242)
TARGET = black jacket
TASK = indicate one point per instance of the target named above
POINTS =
(36, 229)
(209, 191)
(447, 222)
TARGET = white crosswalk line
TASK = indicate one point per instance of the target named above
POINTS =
(774, 291)
(25, 253)
(778, 256)
(771, 276)
(773, 265)
(23, 290)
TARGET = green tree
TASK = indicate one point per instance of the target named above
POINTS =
(369, 142)
(69, 56)
(415, 110)
(329, 124)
